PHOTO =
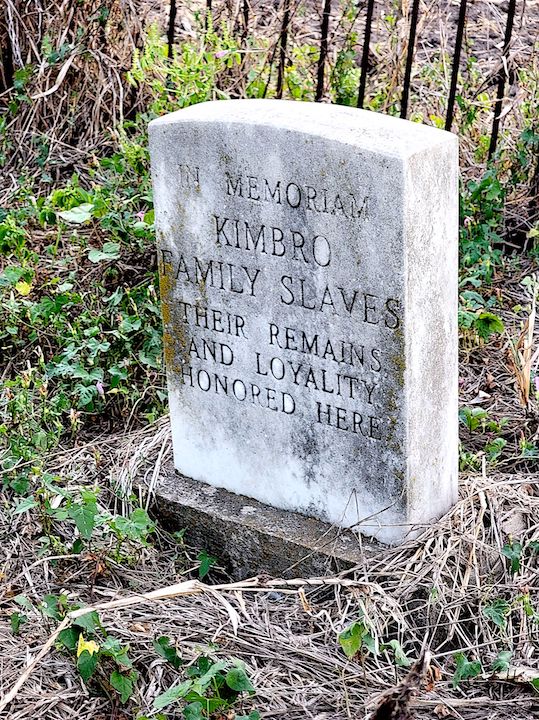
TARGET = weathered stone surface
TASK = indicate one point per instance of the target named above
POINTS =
(250, 538)
(308, 260)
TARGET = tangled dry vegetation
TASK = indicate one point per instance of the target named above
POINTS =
(79, 95)
(467, 588)
(434, 591)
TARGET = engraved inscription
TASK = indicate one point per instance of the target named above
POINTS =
(295, 195)
(266, 364)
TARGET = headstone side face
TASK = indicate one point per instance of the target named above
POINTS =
(431, 222)
(308, 275)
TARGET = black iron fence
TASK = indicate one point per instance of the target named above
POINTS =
(241, 12)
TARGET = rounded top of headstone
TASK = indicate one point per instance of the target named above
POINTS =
(372, 131)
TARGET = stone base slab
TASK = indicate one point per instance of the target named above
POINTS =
(249, 538)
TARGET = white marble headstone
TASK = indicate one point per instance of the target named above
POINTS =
(308, 262)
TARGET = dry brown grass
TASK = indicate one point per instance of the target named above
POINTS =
(431, 591)
(77, 101)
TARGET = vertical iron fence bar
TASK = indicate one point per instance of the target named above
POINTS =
(324, 30)
(365, 54)
(270, 69)
(456, 64)
(7, 69)
(409, 59)
(245, 32)
(283, 40)
(501, 79)
(171, 23)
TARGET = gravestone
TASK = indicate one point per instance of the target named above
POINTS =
(308, 269)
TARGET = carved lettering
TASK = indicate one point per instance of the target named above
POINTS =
(349, 420)
(340, 302)
(238, 279)
(272, 240)
(296, 196)
(238, 389)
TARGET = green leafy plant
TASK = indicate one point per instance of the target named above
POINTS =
(465, 669)
(206, 563)
(476, 417)
(482, 204)
(400, 657)
(468, 460)
(501, 661)
(473, 417)
(100, 658)
(211, 686)
(344, 79)
(77, 215)
(110, 251)
(498, 611)
(513, 552)
(191, 75)
(475, 315)
(166, 650)
(358, 638)
(495, 448)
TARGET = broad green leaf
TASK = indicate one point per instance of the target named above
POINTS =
(495, 448)
(193, 711)
(237, 680)
(206, 561)
(488, 324)
(11, 275)
(141, 520)
(465, 669)
(501, 661)
(17, 619)
(89, 622)
(369, 642)
(77, 215)
(401, 659)
(109, 251)
(69, 638)
(202, 682)
(130, 324)
(472, 417)
(24, 505)
(172, 694)
(513, 551)
(497, 612)
(165, 649)
(123, 684)
(24, 602)
(83, 515)
(123, 659)
(49, 607)
(351, 639)
(86, 664)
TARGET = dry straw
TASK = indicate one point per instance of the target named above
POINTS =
(432, 591)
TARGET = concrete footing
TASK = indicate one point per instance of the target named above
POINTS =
(250, 538)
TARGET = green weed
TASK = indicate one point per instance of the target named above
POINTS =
(211, 686)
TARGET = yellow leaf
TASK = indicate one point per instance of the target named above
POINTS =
(23, 288)
(88, 645)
